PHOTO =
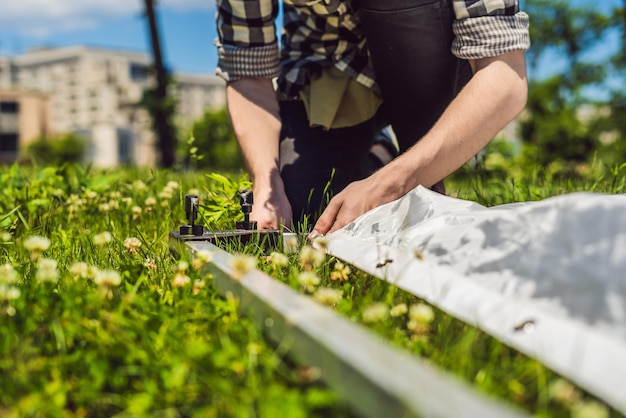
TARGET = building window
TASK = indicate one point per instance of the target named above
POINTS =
(138, 73)
(8, 143)
(9, 117)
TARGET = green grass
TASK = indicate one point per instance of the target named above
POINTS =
(162, 342)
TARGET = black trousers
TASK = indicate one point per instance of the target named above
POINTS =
(409, 43)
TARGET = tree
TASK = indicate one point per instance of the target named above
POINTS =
(564, 120)
(213, 145)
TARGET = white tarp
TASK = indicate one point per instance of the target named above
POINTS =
(546, 277)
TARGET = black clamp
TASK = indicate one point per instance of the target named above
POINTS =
(246, 200)
(191, 211)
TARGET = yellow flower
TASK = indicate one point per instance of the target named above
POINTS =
(340, 272)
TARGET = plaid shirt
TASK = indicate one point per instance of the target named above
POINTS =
(323, 33)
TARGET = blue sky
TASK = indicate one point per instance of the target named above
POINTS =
(187, 28)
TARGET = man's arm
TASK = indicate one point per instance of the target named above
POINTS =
(255, 117)
(493, 97)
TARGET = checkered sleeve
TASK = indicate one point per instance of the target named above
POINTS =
(247, 44)
(487, 28)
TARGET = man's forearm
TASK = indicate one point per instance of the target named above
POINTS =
(255, 117)
(495, 95)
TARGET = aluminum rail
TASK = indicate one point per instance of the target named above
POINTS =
(373, 378)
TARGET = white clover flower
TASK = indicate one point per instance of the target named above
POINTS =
(127, 201)
(242, 264)
(399, 310)
(308, 280)
(136, 211)
(278, 260)
(91, 195)
(47, 270)
(139, 185)
(102, 238)
(166, 194)
(202, 257)
(150, 201)
(9, 293)
(5, 236)
(107, 278)
(320, 242)
(172, 185)
(590, 409)
(376, 312)
(116, 195)
(36, 243)
(310, 257)
(150, 264)
(180, 280)
(182, 266)
(194, 192)
(290, 244)
(198, 285)
(104, 207)
(114, 204)
(421, 313)
(327, 296)
(8, 275)
(80, 270)
(132, 244)
(564, 392)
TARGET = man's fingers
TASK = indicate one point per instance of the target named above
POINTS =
(328, 218)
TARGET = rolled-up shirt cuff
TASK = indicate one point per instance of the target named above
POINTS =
(489, 36)
(247, 62)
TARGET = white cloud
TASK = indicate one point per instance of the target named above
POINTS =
(38, 18)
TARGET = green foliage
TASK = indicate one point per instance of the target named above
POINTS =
(67, 148)
(568, 112)
(212, 144)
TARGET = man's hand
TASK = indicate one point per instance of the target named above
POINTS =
(271, 209)
(384, 186)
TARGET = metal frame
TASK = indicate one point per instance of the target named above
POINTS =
(367, 373)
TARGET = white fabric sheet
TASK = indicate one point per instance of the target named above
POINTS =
(546, 277)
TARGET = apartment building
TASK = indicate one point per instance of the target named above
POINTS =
(94, 92)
